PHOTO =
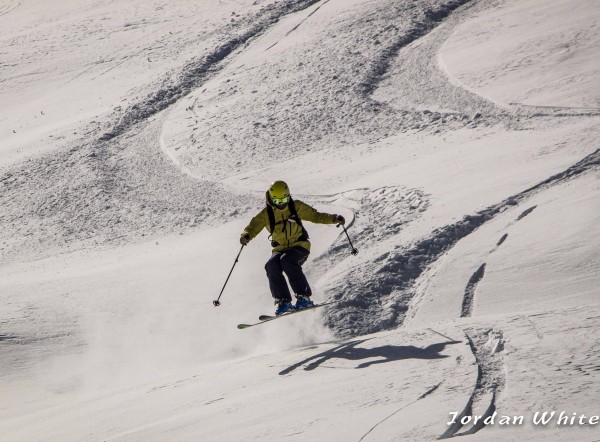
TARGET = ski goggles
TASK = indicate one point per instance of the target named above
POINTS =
(280, 201)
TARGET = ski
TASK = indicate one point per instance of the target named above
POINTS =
(267, 318)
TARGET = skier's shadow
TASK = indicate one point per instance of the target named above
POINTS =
(386, 353)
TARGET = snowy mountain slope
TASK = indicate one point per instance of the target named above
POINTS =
(476, 224)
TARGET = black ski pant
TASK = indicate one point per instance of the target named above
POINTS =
(288, 262)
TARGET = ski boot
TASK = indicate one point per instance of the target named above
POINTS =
(283, 306)
(303, 302)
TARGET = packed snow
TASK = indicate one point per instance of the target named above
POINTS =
(458, 138)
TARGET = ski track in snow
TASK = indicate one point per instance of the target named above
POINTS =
(9, 6)
(469, 296)
(314, 11)
(486, 346)
(467, 305)
(423, 396)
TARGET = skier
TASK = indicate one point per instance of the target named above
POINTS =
(283, 218)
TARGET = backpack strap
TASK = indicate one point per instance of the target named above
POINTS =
(271, 215)
(295, 217)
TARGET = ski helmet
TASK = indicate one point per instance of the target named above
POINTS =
(279, 193)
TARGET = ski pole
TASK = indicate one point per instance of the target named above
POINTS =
(354, 250)
(216, 302)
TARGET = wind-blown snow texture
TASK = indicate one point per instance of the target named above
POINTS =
(459, 138)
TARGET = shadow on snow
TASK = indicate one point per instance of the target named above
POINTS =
(351, 351)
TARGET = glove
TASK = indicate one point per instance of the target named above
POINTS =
(245, 239)
(339, 219)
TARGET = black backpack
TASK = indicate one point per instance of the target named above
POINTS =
(295, 217)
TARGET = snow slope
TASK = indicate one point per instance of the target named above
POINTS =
(459, 139)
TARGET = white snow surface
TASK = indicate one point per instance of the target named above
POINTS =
(458, 138)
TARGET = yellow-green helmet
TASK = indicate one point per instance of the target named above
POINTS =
(279, 193)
